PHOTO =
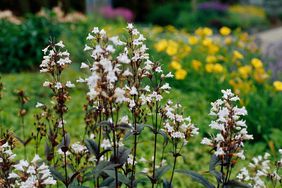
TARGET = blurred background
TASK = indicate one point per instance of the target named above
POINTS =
(248, 14)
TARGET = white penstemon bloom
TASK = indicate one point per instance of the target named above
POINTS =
(260, 170)
(37, 174)
(6, 152)
(177, 126)
(78, 148)
(231, 127)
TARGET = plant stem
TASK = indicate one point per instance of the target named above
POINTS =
(115, 145)
(134, 149)
(173, 169)
(65, 152)
(155, 145)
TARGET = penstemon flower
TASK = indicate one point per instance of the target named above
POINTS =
(122, 76)
(55, 60)
(231, 133)
(232, 129)
(32, 174)
(261, 170)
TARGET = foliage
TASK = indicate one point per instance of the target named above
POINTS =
(19, 43)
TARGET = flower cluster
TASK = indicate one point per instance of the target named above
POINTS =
(6, 163)
(32, 174)
(176, 125)
(260, 170)
(233, 132)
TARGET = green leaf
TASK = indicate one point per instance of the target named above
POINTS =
(56, 174)
(161, 171)
(166, 184)
(92, 147)
(109, 182)
(121, 177)
(235, 184)
(213, 163)
(101, 167)
(122, 156)
(164, 135)
(197, 177)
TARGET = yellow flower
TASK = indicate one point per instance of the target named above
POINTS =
(213, 49)
(207, 31)
(211, 59)
(203, 31)
(196, 64)
(260, 75)
(228, 40)
(237, 55)
(217, 68)
(209, 67)
(157, 29)
(161, 45)
(180, 74)
(245, 71)
(199, 31)
(172, 48)
(257, 63)
(171, 28)
(225, 31)
(277, 85)
(207, 42)
(175, 65)
(186, 49)
(193, 40)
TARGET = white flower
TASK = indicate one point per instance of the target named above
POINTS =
(123, 58)
(133, 91)
(13, 175)
(130, 160)
(169, 75)
(49, 181)
(87, 48)
(166, 87)
(206, 141)
(69, 84)
(36, 159)
(219, 151)
(39, 105)
(89, 37)
(119, 94)
(130, 26)
(106, 144)
(115, 40)
(95, 30)
(58, 85)
(60, 44)
(84, 66)
(46, 84)
(45, 49)
(78, 148)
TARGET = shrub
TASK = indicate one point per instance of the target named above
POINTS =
(19, 43)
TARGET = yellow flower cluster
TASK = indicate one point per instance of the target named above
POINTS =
(230, 58)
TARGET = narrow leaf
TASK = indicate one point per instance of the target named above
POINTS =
(235, 184)
(197, 177)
